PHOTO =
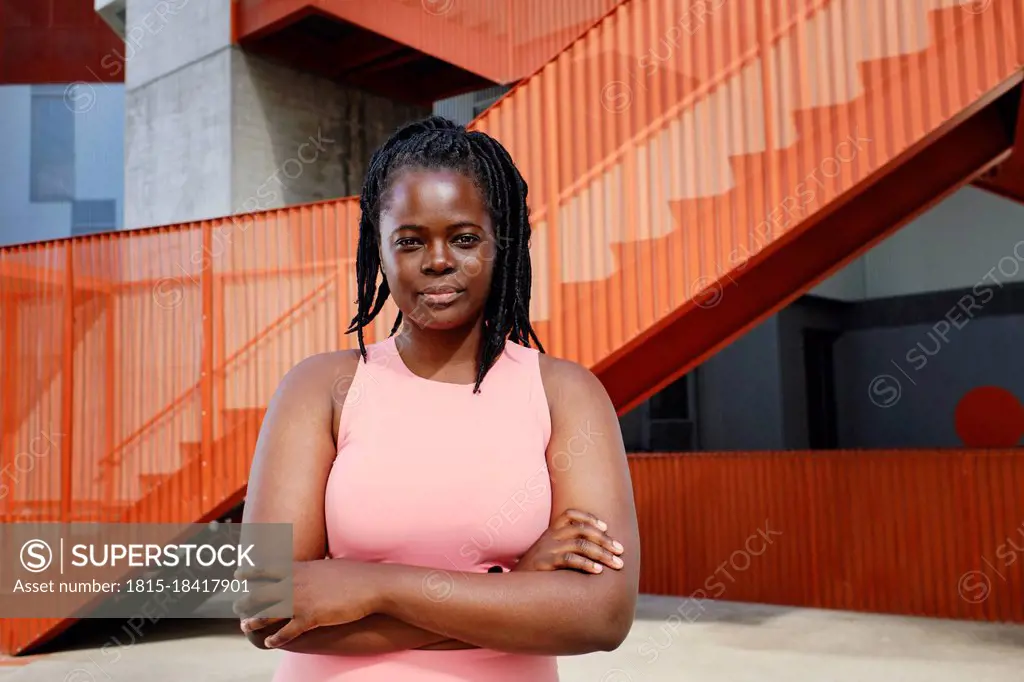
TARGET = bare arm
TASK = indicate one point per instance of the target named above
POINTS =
(375, 634)
(548, 613)
(294, 454)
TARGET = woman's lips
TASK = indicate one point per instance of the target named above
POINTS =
(440, 298)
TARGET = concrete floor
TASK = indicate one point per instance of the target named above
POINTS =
(728, 642)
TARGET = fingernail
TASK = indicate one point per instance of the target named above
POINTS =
(617, 561)
(598, 568)
(602, 525)
(617, 546)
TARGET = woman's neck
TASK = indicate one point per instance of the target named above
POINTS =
(450, 352)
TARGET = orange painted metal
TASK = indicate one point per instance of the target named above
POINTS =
(934, 533)
(690, 179)
(1007, 179)
(498, 39)
(674, 203)
(56, 41)
(827, 240)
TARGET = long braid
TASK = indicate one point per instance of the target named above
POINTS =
(435, 143)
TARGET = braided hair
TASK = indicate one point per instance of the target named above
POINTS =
(436, 143)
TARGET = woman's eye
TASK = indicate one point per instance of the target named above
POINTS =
(466, 239)
(408, 241)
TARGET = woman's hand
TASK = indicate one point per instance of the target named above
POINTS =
(324, 592)
(575, 540)
(335, 591)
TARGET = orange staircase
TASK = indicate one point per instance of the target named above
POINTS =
(685, 184)
(675, 279)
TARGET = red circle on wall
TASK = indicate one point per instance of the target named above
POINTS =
(990, 417)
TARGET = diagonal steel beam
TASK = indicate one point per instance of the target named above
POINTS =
(835, 236)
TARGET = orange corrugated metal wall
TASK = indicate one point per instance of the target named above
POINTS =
(711, 137)
(936, 533)
(185, 330)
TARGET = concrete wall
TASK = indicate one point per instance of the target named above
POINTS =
(462, 108)
(298, 138)
(888, 400)
(211, 130)
(900, 377)
(896, 385)
(739, 393)
(970, 235)
(164, 36)
(178, 143)
(178, 111)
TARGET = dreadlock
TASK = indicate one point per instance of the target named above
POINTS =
(436, 143)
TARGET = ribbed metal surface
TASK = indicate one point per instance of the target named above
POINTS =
(502, 40)
(676, 145)
(937, 533)
(650, 182)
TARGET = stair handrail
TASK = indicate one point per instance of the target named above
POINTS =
(113, 459)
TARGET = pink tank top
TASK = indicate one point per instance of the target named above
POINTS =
(431, 474)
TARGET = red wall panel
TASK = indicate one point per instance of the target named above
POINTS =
(931, 533)
(55, 41)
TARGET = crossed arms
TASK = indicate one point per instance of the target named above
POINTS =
(542, 607)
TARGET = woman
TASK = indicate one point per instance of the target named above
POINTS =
(453, 491)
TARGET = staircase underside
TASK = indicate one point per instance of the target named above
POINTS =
(415, 51)
(1007, 179)
(315, 42)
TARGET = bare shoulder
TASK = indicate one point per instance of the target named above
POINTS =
(571, 387)
(296, 448)
(321, 375)
(338, 360)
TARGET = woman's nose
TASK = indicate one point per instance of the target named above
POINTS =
(437, 258)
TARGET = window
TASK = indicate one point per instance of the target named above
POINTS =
(52, 147)
(93, 215)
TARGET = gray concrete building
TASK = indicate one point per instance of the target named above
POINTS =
(212, 130)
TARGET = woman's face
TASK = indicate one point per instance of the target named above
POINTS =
(437, 248)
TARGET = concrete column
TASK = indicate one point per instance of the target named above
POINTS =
(211, 130)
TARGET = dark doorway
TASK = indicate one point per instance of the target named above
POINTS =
(819, 370)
